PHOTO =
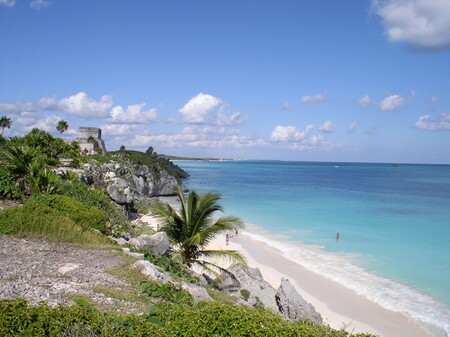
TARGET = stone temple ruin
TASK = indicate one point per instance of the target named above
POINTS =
(90, 140)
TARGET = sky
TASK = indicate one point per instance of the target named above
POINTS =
(349, 80)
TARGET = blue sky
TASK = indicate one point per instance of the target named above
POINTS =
(348, 80)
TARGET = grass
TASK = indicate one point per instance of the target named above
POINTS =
(34, 219)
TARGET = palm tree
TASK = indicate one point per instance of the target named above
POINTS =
(5, 122)
(62, 126)
(194, 227)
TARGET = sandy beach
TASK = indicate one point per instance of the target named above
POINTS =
(339, 306)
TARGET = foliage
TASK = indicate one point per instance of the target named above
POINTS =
(194, 228)
(115, 223)
(62, 126)
(202, 319)
(166, 292)
(170, 266)
(5, 122)
(26, 163)
(245, 294)
(87, 217)
(35, 219)
(19, 319)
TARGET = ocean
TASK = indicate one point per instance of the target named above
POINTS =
(393, 224)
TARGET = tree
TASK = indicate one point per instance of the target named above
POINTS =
(62, 126)
(194, 227)
(122, 148)
(5, 122)
(149, 151)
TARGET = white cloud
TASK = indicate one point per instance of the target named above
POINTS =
(423, 24)
(290, 133)
(328, 127)
(38, 4)
(17, 108)
(134, 114)
(393, 102)
(81, 105)
(434, 123)
(230, 119)
(319, 98)
(353, 126)
(434, 99)
(119, 129)
(8, 3)
(46, 123)
(199, 108)
(372, 131)
(365, 101)
(287, 106)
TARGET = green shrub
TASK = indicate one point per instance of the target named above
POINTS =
(19, 319)
(202, 319)
(166, 292)
(35, 219)
(245, 294)
(84, 216)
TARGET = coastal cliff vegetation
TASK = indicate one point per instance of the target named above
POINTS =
(57, 206)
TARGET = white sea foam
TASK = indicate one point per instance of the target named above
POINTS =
(389, 294)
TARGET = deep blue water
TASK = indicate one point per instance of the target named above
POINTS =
(394, 222)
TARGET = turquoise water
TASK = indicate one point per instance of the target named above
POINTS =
(394, 224)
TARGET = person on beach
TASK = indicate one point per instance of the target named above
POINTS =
(338, 236)
(227, 237)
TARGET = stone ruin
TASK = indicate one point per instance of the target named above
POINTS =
(90, 140)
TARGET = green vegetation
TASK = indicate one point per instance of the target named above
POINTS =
(5, 122)
(245, 294)
(203, 319)
(62, 126)
(38, 220)
(194, 228)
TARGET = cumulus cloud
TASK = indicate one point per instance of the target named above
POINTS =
(46, 123)
(290, 133)
(315, 99)
(199, 108)
(353, 126)
(393, 102)
(196, 136)
(434, 123)
(287, 106)
(421, 24)
(328, 127)
(365, 101)
(38, 4)
(120, 129)
(17, 108)
(207, 109)
(134, 114)
(8, 3)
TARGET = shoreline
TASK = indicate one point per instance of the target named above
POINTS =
(339, 306)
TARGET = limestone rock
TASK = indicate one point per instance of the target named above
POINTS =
(152, 272)
(252, 280)
(292, 306)
(158, 243)
(197, 292)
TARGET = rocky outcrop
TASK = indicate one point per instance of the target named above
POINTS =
(198, 293)
(154, 273)
(292, 306)
(251, 286)
(158, 242)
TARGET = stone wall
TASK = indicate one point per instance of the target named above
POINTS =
(98, 146)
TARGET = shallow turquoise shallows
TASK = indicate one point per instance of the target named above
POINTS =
(393, 221)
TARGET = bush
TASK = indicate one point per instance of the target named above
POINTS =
(115, 223)
(245, 294)
(88, 217)
(35, 219)
(19, 319)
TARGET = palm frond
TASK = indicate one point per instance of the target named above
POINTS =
(231, 255)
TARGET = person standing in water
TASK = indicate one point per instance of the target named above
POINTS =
(338, 236)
